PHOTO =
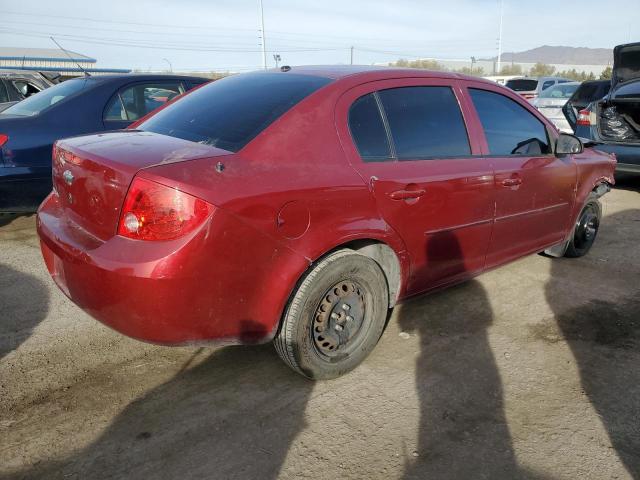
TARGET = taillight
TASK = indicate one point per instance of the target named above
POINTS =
(529, 96)
(3, 139)
(153, 211)
(584, 118)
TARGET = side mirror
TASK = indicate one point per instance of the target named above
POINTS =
(568, 145)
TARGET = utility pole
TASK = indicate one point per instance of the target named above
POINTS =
(499, 67)
(170, 66)
(352, 55)
(262, 36)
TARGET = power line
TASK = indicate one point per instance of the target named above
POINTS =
(155, 45)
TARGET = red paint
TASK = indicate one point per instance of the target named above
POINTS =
(295, 192)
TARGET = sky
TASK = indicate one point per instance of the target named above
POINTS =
(224, 35)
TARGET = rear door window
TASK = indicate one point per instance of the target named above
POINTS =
(425, 122)
(510, 129)
(25, 88)
(134, 102)
(367, 129)
(230, 112)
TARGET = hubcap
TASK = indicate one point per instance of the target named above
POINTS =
(338, 319)
(587, 228)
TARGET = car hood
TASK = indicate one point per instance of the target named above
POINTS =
(626, 63)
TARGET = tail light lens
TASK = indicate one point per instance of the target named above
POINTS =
(3, 139)
(155, 212)
(584, 118)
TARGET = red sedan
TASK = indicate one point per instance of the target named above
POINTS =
(300, 205)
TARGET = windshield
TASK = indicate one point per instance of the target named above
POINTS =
(522, 85)
(563, 90)
(35, 104)
(229, 113)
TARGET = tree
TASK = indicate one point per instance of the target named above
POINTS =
(606, 74)
(475, 71)
(542, 70)
(424, 64)
(508, 70)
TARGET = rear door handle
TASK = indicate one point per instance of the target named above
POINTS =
(511, 182)
(407, 194)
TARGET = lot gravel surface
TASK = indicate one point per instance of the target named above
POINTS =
(530, 371)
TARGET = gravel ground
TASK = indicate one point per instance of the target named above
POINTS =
(529, 371)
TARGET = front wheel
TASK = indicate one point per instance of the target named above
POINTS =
(335, 317)
(585, 229)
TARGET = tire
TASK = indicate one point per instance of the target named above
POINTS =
(335, 316)
(586, 228)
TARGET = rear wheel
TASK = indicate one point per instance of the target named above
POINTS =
(336, 316)
(585, 229)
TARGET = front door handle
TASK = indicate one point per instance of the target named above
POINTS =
(512, 182)
(407, 194)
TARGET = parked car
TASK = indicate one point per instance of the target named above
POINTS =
(16, 85)
(551, 101)
(300, 205)
(82, 105)
(530, 88)
(588, 92)
(613, 122)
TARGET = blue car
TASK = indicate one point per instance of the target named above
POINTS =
(29, 128)
(612, 122)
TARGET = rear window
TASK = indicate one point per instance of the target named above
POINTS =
(559, 91)
(231, 112)
(522, 85)
(590, 92)
(37, 103)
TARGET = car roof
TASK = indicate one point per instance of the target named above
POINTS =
(19, 73)
(371, 72)
(140, 77)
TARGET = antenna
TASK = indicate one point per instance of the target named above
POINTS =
(86, 74)
(500, 38)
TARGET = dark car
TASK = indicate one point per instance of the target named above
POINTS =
(78, 106)
(587, 93)
(613, 122)
(300, 205)
(16, 85)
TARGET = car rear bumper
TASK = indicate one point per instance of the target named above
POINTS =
(209, 286)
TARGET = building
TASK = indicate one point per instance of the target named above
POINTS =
(66, 63)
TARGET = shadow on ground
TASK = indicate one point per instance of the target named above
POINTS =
(463, 429)
(226, 417)
(604, 337)
(24, 303)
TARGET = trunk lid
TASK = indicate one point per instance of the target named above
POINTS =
(626, 63)
(91, 174)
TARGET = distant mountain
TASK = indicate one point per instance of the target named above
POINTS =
(562, 55)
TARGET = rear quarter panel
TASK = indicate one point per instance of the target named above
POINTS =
(292, 184)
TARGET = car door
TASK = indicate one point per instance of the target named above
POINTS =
(408, 141)
(134, 101)
(534, 188)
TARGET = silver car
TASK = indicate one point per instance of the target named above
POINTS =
(531, 87)
(551, 101)
(16, 85)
